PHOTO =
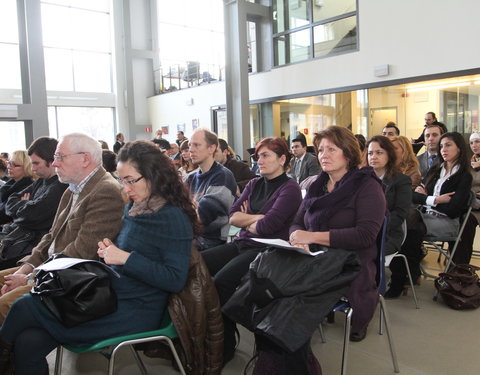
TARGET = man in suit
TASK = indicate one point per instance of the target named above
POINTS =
(303, 164)
(119, 143)
(90, 210)
(432, 138)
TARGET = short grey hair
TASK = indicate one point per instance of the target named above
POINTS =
(80, 142)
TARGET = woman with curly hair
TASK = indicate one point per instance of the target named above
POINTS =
(151, 254)
(406, 159)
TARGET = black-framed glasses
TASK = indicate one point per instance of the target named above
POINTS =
(60, 157)
(130, 182)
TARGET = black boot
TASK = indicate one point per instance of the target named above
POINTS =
(6, 357)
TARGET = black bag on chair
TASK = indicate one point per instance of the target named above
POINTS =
(77, 294)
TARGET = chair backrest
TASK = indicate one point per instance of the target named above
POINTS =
(381, 237)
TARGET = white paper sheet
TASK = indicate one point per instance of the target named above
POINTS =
(64, 263)
(277, 242)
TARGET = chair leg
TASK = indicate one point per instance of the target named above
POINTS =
(322, 335)
(139, 361)
(175, 355)
(383, 311)
(410, 278)
(58, 360)
(346, 340)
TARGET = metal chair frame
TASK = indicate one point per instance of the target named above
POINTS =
(344, 306)
(109, 347)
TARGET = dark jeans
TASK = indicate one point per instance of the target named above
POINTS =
(31, 342)
(228, 264)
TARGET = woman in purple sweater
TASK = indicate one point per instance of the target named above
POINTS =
(344, 208)
(265, 209)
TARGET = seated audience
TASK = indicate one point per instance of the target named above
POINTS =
(239, 169)
(406, 159)
(444, 194)
(432, 137)
(398, 189)
(91, 208)
(152, 263)
(363, 150)
(345, 208)
(174, 154)
(303, 164)
(20, 176)
(32, 209)
(265, 209)
(186, 165)
(3, 171)
(212, 188)
(109, 162)
(390, 130)
(162, 144)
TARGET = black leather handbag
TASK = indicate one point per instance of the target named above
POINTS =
(77, 294)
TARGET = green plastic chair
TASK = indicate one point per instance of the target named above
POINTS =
(166, 333)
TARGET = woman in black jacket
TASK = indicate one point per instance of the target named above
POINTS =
(398, 188)
(444, 196)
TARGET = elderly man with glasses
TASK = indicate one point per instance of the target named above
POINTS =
(89, 211)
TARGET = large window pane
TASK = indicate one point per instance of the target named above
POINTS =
(323, 9)
(9, 66)
(335, 37)
(299, 48)
(92, 72)
(13, 136)
(58, 69)
(8, 21)
(96, 122)
(99, 5)
(289, 14)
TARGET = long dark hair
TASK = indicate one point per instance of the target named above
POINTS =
(462, 160)
(391, 168)
(161, 176)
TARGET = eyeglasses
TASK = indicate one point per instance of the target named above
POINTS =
(13, 165)
(130, 182)
(60, 157)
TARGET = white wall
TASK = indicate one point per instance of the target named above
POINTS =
(414, 37)
(185, 105)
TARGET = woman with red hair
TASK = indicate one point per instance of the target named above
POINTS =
(265, 209)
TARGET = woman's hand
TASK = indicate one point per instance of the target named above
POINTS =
(421, 189)
(444, 198)
(301, 237)
(111, 254)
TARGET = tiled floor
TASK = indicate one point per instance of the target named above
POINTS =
(433, 340)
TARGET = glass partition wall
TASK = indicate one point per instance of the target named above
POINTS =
(455, 101)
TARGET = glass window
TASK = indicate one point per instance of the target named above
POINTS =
(324, 9)
(58, 69)
(293, 47)
(10, 67)
(289, 14)
(333, 37)
(92, 72)
(94, 121)
(8, 21)
(99, 5)
(13, 136)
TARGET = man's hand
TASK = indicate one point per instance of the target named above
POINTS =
(13, 281)
(25, 197)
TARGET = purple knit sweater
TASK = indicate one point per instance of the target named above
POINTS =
(279, 211)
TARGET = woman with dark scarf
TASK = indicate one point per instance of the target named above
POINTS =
(345, 208)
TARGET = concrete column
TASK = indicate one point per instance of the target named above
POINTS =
(33, 111)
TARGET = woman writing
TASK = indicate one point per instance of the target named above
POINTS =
(406, 159)
(151, 255)
(345, 208)
(445, 195)
(265, 209)
(398, 191)
(19, 169)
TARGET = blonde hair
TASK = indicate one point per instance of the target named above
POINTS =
(408, 161)
(21, 157)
